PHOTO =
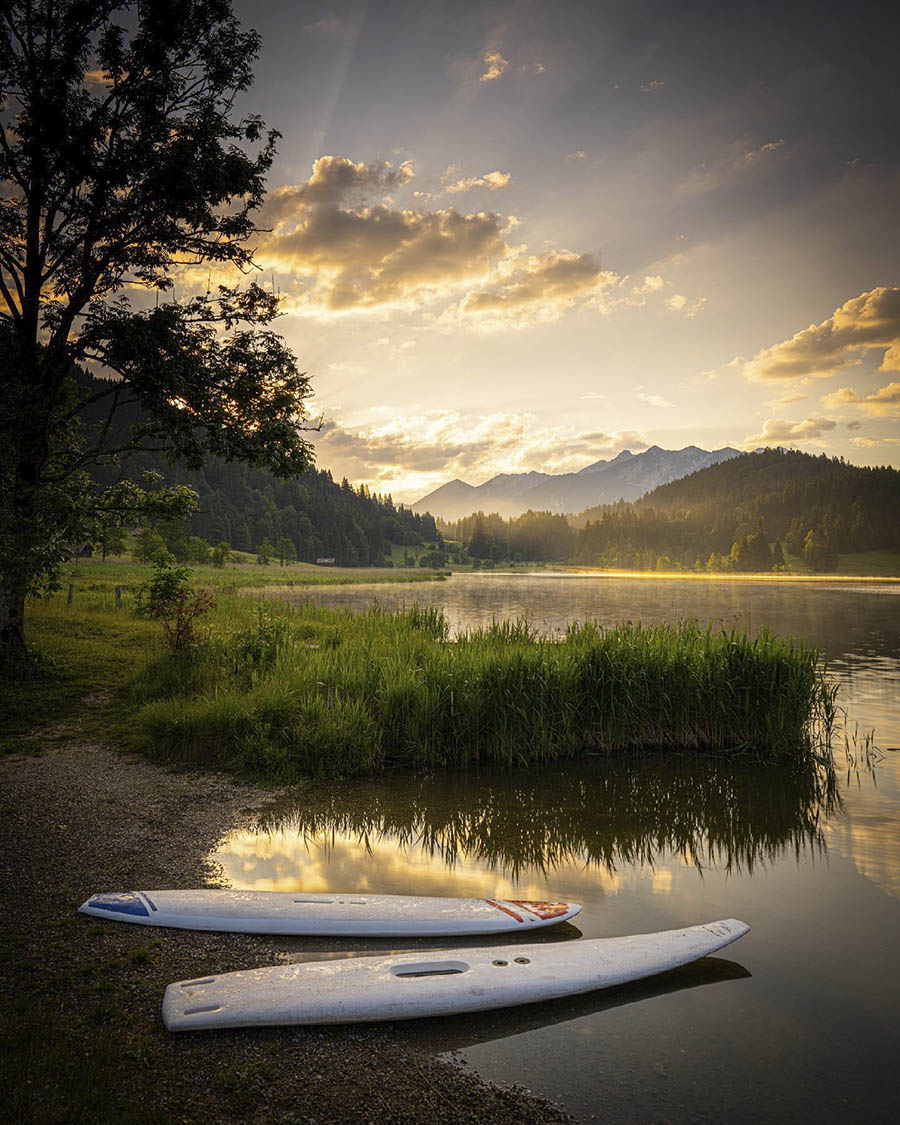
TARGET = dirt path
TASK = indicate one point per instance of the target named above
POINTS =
(81, 998)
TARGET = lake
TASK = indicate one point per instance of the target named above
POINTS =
(797, 1018)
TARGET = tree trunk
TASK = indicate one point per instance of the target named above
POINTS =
(12, 622)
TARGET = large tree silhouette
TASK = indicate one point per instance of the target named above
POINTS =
(123, 160)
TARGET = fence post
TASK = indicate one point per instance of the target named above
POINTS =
(71, 592)
(118, 597)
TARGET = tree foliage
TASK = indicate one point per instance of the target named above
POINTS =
(122, 163)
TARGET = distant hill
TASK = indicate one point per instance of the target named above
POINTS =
(625, 477)
(815, 506)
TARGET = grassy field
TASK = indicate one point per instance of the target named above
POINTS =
(94, 574)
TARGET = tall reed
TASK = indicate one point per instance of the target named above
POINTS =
(288, 692)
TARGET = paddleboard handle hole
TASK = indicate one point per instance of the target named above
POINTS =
(523, 960)
(430, 969)
(500, 962)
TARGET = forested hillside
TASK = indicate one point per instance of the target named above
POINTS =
(244, 507)
(743, 513)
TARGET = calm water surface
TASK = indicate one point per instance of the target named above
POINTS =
(798, 1018)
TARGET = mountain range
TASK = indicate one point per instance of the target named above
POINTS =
(625, 477)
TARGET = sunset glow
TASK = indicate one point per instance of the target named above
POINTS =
(522, 236)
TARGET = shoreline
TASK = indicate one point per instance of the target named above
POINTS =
(80, 817)
(711, 576)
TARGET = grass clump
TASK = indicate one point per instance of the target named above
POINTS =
(285, 692)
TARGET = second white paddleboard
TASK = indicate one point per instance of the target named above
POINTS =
(352, 915)
(448, 982)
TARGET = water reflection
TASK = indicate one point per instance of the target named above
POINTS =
(453, 1033)
(492, 834)
(649, 844)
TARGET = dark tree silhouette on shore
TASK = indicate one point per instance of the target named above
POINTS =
(123, 160)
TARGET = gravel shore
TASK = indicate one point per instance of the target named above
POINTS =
(80, 994)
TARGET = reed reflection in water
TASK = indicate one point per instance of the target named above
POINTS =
(598, 814)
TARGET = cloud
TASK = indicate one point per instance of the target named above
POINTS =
(871, 443)
(333, 179)
(340, 243)
(678, 303)
(653, 283)
(350, 254)
(544, 285)
(653, 400)
(496, 65)
(775, 431)
(415, 453)
(883, 403)
(708, 177)
(787, 398)
(844, 396)
(865, 323)
(493, 181)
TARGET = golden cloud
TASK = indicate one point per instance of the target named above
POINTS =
(340, 243)
(788, 397)
(883, 403)
(544, 285)
(333, 179)
(496, 66)
(872, 443)
(678, 303)
(358, 256)
(653, 400)
(493, 181)
(776, 431)
(868, 322)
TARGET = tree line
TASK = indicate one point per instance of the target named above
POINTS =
(531, 537)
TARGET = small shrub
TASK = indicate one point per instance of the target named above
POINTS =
(152, 598)
(179, 616)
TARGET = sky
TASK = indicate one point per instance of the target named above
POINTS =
(527, 235)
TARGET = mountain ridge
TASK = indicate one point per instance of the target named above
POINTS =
(627, 476)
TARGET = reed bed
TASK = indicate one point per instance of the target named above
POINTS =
(287, 692)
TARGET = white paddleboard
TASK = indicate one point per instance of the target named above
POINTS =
(352, 915)
(410, 985)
